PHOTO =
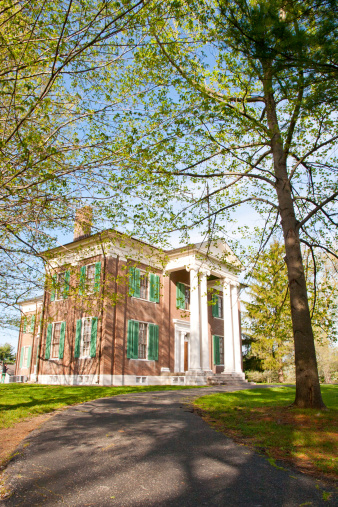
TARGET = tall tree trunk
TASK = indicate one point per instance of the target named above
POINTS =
(308, 393)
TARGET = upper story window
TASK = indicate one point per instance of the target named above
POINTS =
(60, 286)
(143, 285)
(182, 296)
(217, 306)
(90, 276)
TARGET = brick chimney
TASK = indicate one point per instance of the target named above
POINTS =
(83, 222)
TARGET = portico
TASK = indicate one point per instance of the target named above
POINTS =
(193, 337)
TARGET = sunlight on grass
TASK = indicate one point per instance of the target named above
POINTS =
(19, 401)
(264, 418)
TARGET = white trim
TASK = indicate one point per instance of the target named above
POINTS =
(181, 328)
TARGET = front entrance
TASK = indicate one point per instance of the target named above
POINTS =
(182, 346)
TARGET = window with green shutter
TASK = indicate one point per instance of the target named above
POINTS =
(48, 340)
(217, 306)
(154, 288)
(142, 340)
(24, 327)
(182, 296)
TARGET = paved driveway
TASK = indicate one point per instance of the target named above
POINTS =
(147, 449)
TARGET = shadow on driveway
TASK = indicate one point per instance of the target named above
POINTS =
(147, 449)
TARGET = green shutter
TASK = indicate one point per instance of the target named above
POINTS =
(66, 285)
(134, 282)
(135, 336)
(29, 357)
(137, 293)
(53, 288)
(24, 327)
(215, 305)
(180, 295)
(131, 281)
(82, 285)
(21, 356)
(48, 340)
(217, 358)
(62, 339)
(153, 342)
(78, 338)
(132, 339)
(154, 288)
(97, 277)
(93, 337)
(32, 324)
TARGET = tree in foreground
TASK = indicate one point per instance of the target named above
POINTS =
(236, 105)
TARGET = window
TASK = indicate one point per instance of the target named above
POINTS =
(90, 276)
(25, 358)
(218, 350)
(85, 337)
(144, 285)
(182, 296)
(217, 306)
(55, 340)
(60, 282)
(142, 340)
(25, 355)
(60, 286)
(90, 272)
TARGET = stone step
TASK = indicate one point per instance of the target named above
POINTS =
(227, 379)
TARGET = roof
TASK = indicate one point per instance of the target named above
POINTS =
(217, 248)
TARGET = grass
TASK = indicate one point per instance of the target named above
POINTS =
(263, 418)
(21, 401)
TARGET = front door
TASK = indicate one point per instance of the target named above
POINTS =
(186, 351)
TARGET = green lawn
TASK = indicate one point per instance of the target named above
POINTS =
(263, 418)
(19, 401)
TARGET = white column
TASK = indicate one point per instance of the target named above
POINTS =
(236, 329)
(205, 359)
(229, 359)
(195, 341)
